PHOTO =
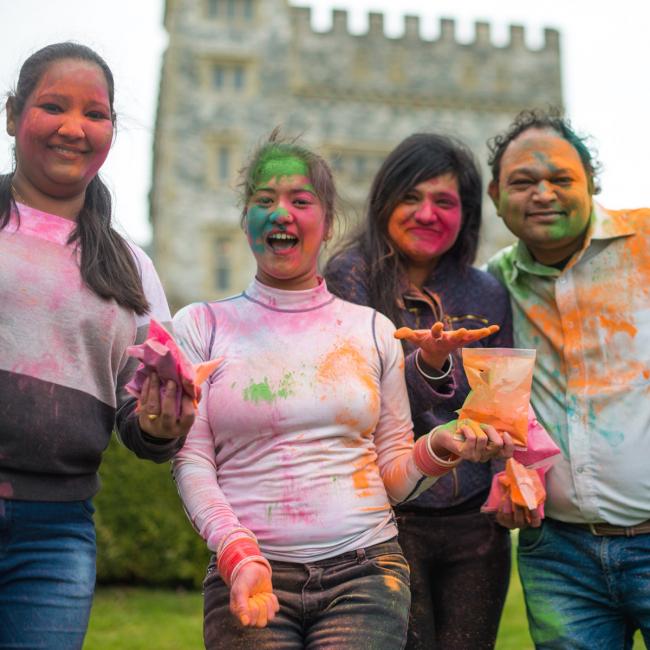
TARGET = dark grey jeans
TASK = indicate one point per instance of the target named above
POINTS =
(355, 600)
(460, 568)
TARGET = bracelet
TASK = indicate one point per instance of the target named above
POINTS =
(251, 558)
(436, 458)
(245, 533)
(431, 377)
(235, 553)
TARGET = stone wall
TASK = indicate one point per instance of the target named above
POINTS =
(234, 69)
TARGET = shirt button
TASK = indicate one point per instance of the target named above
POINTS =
(581, 469)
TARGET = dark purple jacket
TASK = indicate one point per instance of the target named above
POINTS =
(471, 299)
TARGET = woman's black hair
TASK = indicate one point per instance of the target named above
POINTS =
(418, 158)
(106, 262)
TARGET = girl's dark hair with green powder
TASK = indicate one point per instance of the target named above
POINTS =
(289, 153)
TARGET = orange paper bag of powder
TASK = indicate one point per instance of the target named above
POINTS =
(526, 488)
(500, 379)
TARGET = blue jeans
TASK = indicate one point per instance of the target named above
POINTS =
(584, 592)
(47, 573)
(355, 600)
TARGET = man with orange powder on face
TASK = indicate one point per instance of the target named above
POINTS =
(579, 283)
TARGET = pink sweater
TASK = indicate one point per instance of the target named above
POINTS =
(304, 435)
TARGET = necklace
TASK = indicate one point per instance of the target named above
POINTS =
(17, 195)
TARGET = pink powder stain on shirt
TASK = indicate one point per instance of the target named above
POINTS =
(293, 506)
(42, 225)
(6, 490)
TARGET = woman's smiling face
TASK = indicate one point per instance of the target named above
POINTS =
(425, 223)
(285, 225)
(65, 129)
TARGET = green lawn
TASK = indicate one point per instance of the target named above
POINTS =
(145, 619)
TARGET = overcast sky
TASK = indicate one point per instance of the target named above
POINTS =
(605, 49)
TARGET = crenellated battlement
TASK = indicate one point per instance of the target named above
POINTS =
(373, 67)
(235, 69)
(302, 25)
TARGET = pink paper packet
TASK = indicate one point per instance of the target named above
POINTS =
(539, 456)
(160, 354)
(500, 497)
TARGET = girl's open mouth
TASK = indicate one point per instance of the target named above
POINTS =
(281, 241)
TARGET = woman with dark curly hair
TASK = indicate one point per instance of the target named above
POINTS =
(411, 260)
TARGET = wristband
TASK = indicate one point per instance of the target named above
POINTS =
(235, 555)
(428, 462)
(431, 377)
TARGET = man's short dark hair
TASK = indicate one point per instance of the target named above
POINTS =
(544, 119)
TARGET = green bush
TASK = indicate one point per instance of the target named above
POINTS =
(143, 535)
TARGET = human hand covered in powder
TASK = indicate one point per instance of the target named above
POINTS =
(157, 407)
(166, 384)
(252, 599)
(437, 343)
(478, 444)
(517, 496)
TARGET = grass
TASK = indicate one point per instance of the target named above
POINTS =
(132, 618)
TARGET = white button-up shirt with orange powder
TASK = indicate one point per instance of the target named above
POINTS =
(590, 325)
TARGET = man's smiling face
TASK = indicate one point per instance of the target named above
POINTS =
(544, 194)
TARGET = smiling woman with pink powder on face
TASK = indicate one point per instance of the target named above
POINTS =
(304, 438)
(75, 295)
(411, 259)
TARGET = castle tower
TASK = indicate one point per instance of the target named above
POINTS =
(234, 69)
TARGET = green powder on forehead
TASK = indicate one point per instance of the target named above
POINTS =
(276, 163)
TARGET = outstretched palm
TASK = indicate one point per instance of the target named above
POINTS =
(436, 343)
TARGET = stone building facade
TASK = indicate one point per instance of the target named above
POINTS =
(234, 69)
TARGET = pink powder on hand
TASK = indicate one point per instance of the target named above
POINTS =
(160, 354)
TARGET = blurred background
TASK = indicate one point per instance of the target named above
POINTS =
(200, 82)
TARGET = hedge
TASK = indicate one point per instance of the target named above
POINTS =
(143, 534)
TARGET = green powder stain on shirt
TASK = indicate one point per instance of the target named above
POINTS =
(263, 392)
(286, 386)
(260, 392)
